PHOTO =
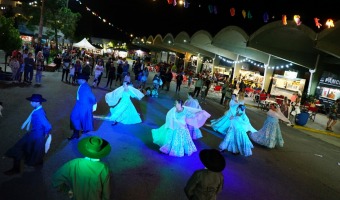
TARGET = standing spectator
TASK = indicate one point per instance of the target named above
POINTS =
(15, 66)
(206, 183)
(57, 61)
(198, 86)
(144, 77)
(22, 67)
(37, 47)
(86, 178)
(168, 79)
(157, 81)
(72, 74)
(98, 73)
(46, 53)
(29, 66)
(228, 95)
(119, 73)
(112, 75)
(87, 68)
(137, 68)
(207, 84)
(127, 78)
(108, 66)
(225, 88)
(179, 80)
(126, 67)
(38, 72)
(66, 67)
(81, 115)
(31, 147)
(332, 117)
(77, 69)
(189, 80)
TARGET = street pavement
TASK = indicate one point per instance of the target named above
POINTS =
(307, 167)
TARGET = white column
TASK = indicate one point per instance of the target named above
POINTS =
(267, 76)
(310, 80)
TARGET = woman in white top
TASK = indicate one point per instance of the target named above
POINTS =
(98, 72)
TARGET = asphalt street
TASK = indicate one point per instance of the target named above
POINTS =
(307, 167)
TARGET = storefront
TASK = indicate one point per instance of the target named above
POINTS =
(328, 89)
(287, 85)
(251, 78)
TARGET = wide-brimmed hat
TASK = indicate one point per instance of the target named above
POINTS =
(212, 159)
(94, 147)
(36, 98)
(83, 76)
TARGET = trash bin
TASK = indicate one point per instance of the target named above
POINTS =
(302, 118)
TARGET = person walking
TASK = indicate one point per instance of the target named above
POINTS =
(31, 147)
(81, 116)
(86, 178)
(332, 117)
(205, 184)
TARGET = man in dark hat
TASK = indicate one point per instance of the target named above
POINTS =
(86, 178)
(31, 147)
(211, 177)
(81, 115)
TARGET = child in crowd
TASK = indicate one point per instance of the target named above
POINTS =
(72, 72)
(38, 73)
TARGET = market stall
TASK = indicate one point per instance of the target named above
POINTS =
(328, 89)
(287, 85)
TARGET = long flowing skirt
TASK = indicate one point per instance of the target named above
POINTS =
(175, 142)
(236, 139)
(270, 134)
(125, 112)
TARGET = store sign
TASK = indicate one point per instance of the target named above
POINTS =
(330, 80)
(290, 74)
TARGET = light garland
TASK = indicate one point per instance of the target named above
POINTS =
(255, 63)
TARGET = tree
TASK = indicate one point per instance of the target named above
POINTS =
(54, 15)
(9, 37)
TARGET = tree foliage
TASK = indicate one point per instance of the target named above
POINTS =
(9, 36)
(57, 17)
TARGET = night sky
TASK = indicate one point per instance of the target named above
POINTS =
(152, 17)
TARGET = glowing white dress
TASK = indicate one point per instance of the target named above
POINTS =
(123, 110)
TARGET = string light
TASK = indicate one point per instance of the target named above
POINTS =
(255, 63)
(185, 3)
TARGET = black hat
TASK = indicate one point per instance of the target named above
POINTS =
(212, 159)
(36, 98)
(83, 76)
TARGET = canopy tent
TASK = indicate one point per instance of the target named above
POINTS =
(84, 44)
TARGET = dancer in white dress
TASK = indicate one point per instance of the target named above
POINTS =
(270, 134)
(236, 139)
(122, 109)
(173, 137)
